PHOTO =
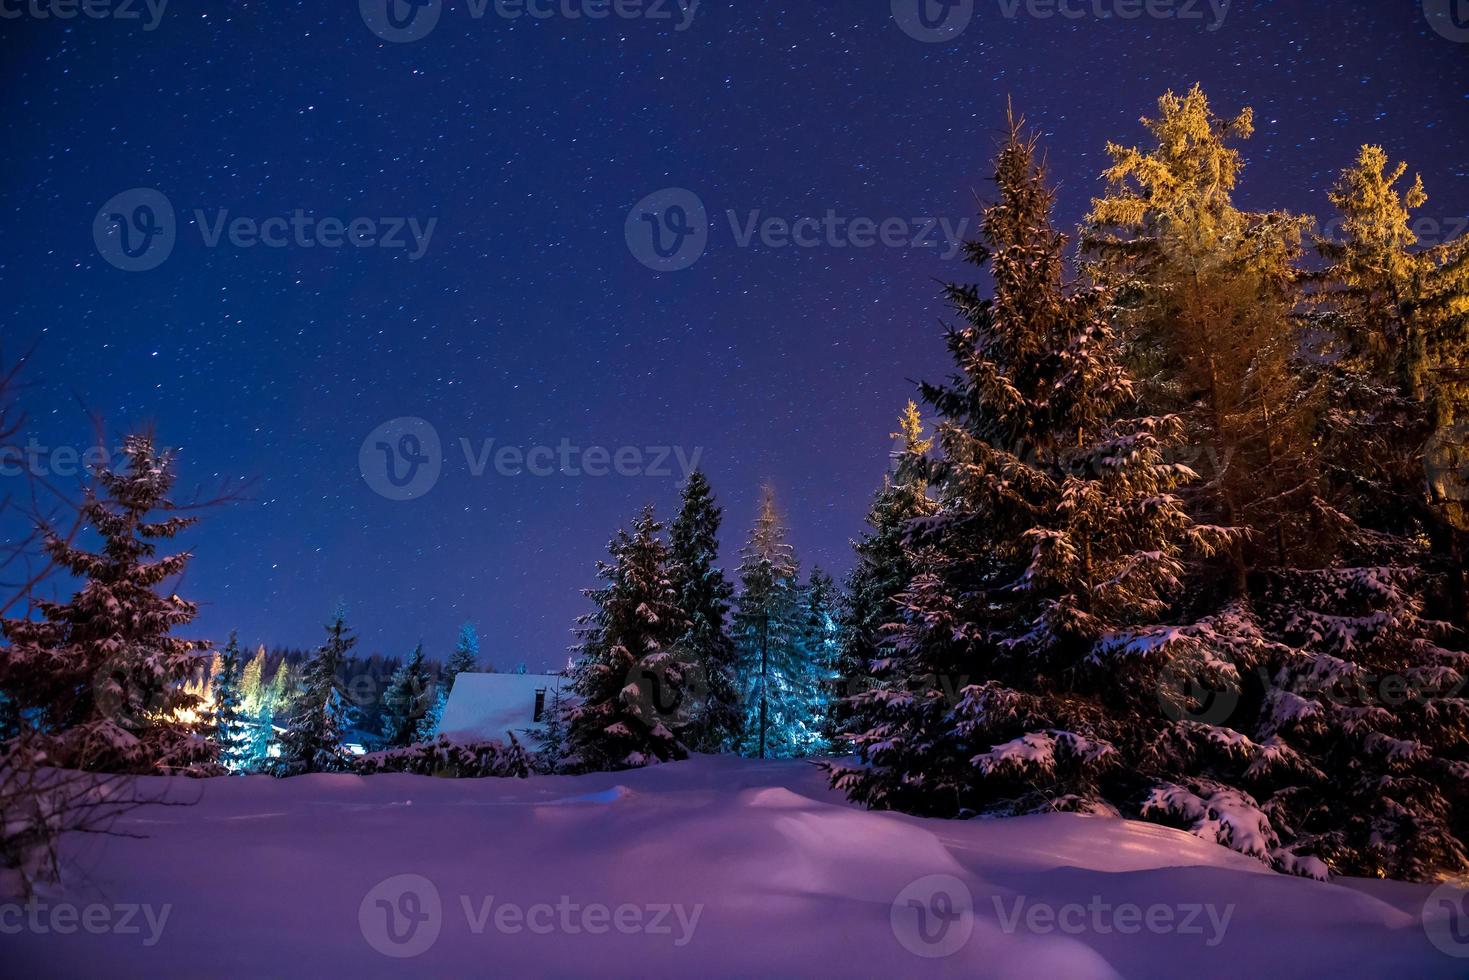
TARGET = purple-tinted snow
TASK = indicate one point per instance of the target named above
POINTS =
(710, 868)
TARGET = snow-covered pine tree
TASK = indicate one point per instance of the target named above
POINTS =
(319, 716)
(1358, 742)
(101, 677)
(406, 701)
(820, 639)
(465, 657)
(882, 573)
(1023, 674)
(232, 725)
(775, 674)
(630, 677)
(703, 596)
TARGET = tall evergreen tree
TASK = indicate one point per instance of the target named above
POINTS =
(320, 715)
(703, 597)
(285, 686)
(406, 701)
(1206, 292)
(102, 676)
(1402, 308)
(252, 684)
(776, 678)
(1017, 679)
(631, 676)
(231, 722)
(1361, 684)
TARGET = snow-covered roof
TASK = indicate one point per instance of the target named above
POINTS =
(483, 706)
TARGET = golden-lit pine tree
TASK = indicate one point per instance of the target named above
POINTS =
(1207, 294)
(1403, 308)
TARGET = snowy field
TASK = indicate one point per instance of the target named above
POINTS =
(711, 868)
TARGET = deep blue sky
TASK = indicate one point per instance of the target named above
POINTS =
(528, 320)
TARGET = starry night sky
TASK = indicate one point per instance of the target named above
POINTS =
(528, 320)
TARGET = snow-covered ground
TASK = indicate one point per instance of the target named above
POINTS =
(711, 868)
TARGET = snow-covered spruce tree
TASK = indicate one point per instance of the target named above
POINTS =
(101, 677)
(778, 683)
(883, 572)
(319, 716)
(406, 702)
(1359, 738)
(465, 657)
(232, 725)
(1024, 673)
(1360, 750)
(1349, 570)
(703, 597)
(630, 676)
